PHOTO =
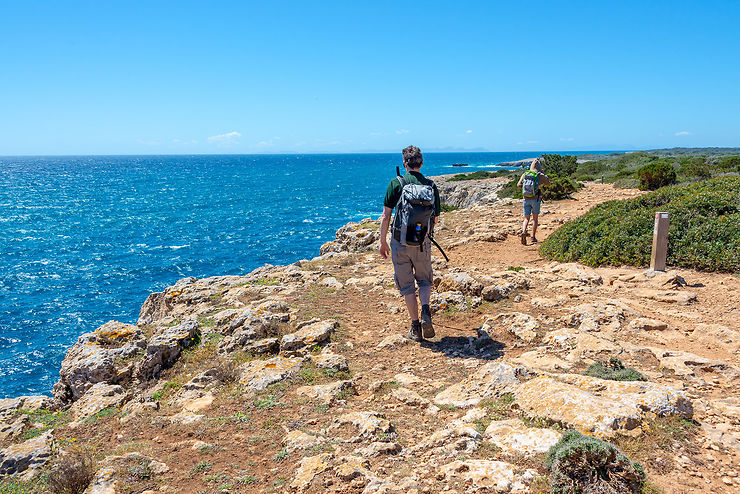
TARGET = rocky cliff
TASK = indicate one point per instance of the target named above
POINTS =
(299, 378)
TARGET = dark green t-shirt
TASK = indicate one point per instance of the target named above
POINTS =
(393, 194)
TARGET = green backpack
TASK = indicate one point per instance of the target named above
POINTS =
(531, 184)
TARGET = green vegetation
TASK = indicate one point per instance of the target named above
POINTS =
(704, 232)
(655, 175)
(560, 170)
(43, 420)
(446, 208)
(15, 485)
(614, 370)
(581, 463)
(479, 175)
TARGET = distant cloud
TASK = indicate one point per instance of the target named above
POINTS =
(468, 131)
(683, 133)
(229, 137)
(567, 138)
(402, 131)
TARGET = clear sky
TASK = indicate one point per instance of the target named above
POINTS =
(153, 77)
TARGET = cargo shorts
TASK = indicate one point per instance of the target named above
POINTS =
(531, 206)
(411, 264)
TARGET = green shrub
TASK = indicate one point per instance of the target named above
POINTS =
(704, 230)
(446, 208)
(695, 167)
(511, 189)
(581, 463)
(626, 183)
(559, 188)
(559, 166)
(476, 175)
(729, 163)
(655, 175)
(614, 370)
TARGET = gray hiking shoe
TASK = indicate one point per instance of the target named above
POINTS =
(427, 330)
(415, 331)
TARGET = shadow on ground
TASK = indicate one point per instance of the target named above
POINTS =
(480, 346)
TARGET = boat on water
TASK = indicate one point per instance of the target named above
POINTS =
(459, 164)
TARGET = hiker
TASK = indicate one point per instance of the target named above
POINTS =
(416, 200)
(530, 183)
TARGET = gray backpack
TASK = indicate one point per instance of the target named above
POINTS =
(414, 213)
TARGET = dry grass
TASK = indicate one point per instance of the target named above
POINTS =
(72, 473)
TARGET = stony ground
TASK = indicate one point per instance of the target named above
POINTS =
(299, 378)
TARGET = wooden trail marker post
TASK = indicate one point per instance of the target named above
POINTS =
(660, 242)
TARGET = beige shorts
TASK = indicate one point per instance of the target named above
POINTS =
(411, 264)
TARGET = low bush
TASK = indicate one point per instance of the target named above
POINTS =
(446, 208)
(614, 370)
(655, 175)
(704, 229)
(71, 473)
(511, 189)
(559, 188)
(581, 463)
(476, 175)
(559, 166)
(728, 163)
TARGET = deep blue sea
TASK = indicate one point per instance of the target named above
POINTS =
(84, 240)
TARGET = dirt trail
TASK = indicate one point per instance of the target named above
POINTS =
(685, 338)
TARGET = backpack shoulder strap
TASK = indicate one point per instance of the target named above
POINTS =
(401, 181)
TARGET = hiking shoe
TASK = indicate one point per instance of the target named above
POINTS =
(534, 240)
(427, 330)
(415, 331)
(524, 238)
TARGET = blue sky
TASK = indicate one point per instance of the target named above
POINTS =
(268, 77)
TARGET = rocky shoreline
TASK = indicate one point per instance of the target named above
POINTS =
(224, 378)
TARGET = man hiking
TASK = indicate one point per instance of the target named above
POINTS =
(416, 200)
(530, 183)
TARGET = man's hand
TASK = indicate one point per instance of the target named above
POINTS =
(384, 250)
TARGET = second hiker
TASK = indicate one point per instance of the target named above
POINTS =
(416, 200)
(530, 183)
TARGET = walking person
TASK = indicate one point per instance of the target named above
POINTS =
(530, 182)
(416, 201)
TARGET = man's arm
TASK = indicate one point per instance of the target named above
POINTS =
(545, 179)
(385, 222)
(519, 183)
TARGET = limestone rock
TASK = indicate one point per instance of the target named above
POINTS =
(460, 282)
(368, 423)
(309, 335)
(354, 237)
(296, 440)
(29, 455)
(541, 361)
(351, 467)
(165, 346)
(513, 437)
(258, 374)
(393, 341)
(490, 381)
(327, 393)
(107, 354)
(441, 301)
(521, 325)
(308, 469)
(463, 194)
(409, 397)
(10, 431)
(667, 296)
(489, 475)
(578, 273)
(8, 406)
(104, 482)
(685, 363)
(99, 397)
(328, 360)
(379, 448)
(455, 436)
(599, 407)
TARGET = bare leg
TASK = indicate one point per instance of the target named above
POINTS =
(425, 292)
(534, 225)
(412, 306)
(525, 224)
